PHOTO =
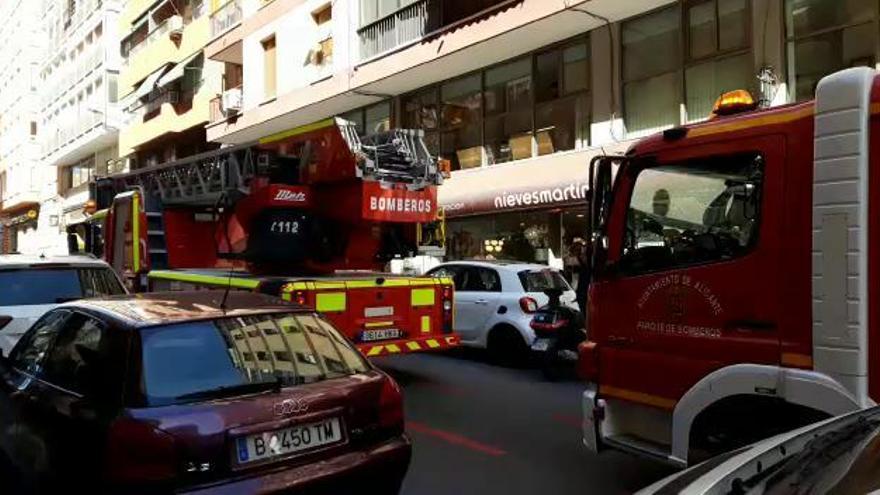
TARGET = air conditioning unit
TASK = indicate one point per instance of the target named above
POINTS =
(232, 101)
(175, 26)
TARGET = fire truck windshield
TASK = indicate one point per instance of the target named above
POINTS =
(692, 212)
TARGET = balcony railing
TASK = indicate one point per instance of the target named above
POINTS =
(157, 32)
(403, 26)
(419, 19)
(225, 18)
(84, 11)
(68, 133)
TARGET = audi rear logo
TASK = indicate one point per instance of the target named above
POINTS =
(289, 406)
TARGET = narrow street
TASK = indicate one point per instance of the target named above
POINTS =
(478, 428)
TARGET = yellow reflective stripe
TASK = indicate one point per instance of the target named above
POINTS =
(329, 285)
(193, 278)
(374, 324)
(395, 283)
(423, 281)
(297, 131)
(287, 296)
(422, 297)
(413, 346)
(426, 324)
(135, 232)
(392, 348)
(330, 301)
(433, 344)
(375, 350)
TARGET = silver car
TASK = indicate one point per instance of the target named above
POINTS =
(32, 285)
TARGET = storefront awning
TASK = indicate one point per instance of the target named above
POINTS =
(177, 71)
(550, 181)
(149, 83)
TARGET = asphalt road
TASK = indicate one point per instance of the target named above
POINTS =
(482, 429)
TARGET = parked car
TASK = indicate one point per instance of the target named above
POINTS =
(197, 392)
(32, 285)
(840, 455)
(494, 303)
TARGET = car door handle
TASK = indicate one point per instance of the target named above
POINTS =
(482, 301)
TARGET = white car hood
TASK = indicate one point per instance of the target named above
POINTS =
(22, 319)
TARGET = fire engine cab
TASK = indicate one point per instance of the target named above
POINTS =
(735, 270)
(311, 215)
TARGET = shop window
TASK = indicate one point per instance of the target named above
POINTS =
(694, 212)
(461, 130)
(270, 76)
(521, 236)
(825, 36)
(651, 61)
(508, 103)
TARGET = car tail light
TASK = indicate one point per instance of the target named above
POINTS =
(528, 305)
(588, 361)
(391, 406)
(138, 453)
(447, 309)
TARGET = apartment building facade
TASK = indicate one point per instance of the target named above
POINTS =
(21, 174)
(165, 83)
(518, 94)
(79, 118)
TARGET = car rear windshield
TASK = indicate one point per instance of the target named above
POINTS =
(188, 360)
(541, 280)
(55, 285)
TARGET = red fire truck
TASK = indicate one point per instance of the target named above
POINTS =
(734, 269)
(310, 215)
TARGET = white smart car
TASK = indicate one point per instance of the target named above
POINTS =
(494, 303)
(32, 285)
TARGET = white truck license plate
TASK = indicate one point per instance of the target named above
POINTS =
(279, 443)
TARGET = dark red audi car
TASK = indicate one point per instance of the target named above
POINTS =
(190, 393)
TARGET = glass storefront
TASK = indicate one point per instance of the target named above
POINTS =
(544, 237)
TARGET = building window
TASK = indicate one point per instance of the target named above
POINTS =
(535, 105)
(33, 128)
(718, 53)
(461, 121)
(371, 119)
(562, 116)
(76, 175)
(270, 76)
(323, 15)
(651, 71)
(825, 36)
(715, 57)
(508, 102)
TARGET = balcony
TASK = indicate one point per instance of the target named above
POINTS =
(225, 18)
(406, 25)
(418, 20)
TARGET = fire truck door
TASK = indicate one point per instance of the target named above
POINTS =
(692, 287)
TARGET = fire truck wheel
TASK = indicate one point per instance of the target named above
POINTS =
(506, 347)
